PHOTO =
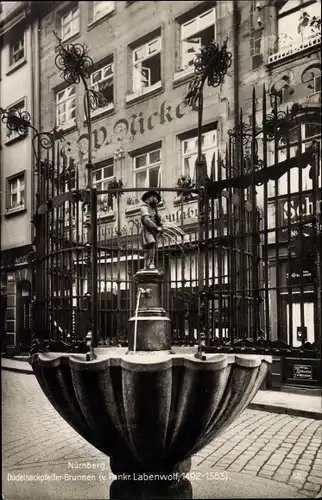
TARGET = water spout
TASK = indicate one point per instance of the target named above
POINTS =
(136, 319)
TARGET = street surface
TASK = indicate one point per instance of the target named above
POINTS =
(280, 447)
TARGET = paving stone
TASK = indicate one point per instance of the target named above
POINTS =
(312, 487)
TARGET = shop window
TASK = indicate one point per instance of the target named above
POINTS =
(189, 152)
(66, 107)
(146, 61)
(194, 33)
(147, 169)
(18, 108)
(101, 9)
(69, 23)
(15, 193)
(103, 174)
(17, 48)
(294, 22)
(102, 81)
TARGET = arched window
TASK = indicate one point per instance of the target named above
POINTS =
(312, 77)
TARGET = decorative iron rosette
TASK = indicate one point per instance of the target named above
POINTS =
(213, 62)
(73, 61)
(142, 418)
(211, 65)
(116, 184)
(96, 99)
(16, 120)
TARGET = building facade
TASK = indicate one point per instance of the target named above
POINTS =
(18, 90)
(145, 133)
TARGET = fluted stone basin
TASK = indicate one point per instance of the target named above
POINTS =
(149, 411)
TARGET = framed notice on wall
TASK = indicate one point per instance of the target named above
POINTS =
(302, 372)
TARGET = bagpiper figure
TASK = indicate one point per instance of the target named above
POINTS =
(151, 227)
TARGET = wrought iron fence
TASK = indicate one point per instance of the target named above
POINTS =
(246, 271)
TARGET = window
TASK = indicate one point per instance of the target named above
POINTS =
(17, 49)
(19, 107)
(308, 133)
(16, 193)
(66, 107)
(194, 33)
(70, 23)
(147, 66)
(147, 169)
(294, 22)
(102, 81)
(312, 77)
(189, 152)
(104, 173)
(101, 9)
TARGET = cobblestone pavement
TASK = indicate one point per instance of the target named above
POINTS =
(276, 446)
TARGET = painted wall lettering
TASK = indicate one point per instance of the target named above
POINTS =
(127, 129)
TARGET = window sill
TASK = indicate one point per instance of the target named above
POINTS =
(136, 209)
(98, 113)
(67, 127)
(16, 138)
(182, 76)
(178, 201)
(16, 66)
(70, 39)
(292, 51)
(98, 21)
(146, 92)
(105, 217)
(15, 210)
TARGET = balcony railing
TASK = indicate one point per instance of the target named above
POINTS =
(288, 51)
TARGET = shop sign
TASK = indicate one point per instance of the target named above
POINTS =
(297, 276)
(302, 372)
(292, 211)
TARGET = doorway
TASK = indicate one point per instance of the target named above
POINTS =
(23, 324)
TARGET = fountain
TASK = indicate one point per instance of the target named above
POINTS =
(148, 407)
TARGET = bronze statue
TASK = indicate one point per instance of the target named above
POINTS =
(152, 227)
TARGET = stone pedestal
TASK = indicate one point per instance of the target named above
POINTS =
(144, 489)
(153, 324)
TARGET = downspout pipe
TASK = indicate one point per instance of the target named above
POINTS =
(236, 32)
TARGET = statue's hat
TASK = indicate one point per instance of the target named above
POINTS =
(147, 194)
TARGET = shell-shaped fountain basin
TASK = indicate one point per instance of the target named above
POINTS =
(149, 412)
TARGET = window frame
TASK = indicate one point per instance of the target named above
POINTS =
(149, 166)
(72, 122)
(293, 144)
(11, 135)
(94, 18)
(101, 67)
(143, 90)
(195, 17)
(190, 137)
(20, 206)
(65, 15)
(303, 4)
(17, 39)
(100, 166)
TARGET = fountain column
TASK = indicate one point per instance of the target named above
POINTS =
(150, 324)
